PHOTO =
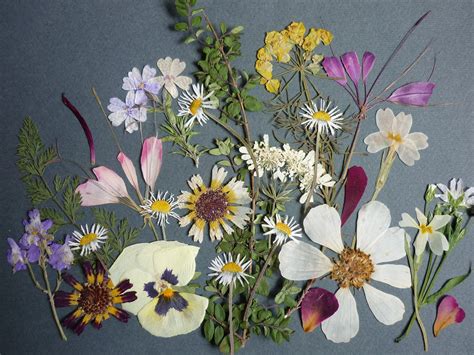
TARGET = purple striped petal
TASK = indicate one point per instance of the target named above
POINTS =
(352, 66)
(413, 94)
(335, 70)
(318, 305)
(368, 61)
(353, 191)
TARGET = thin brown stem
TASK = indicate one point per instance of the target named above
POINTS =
(231, 322)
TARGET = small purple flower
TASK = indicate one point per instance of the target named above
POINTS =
(126, 112)
(35, 229)
(61, 257)
(141, 83)
(16, 257)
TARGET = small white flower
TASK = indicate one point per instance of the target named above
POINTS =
(394, 133)
(193, 104)
(228, 271)
(89, 240)
(455, 195)
(323, 119)
(322, 179)
(161, 207)
(267, 158)
(171, 70)
(282, 229)
(427, 232)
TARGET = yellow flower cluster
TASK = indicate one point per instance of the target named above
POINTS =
(278, 45)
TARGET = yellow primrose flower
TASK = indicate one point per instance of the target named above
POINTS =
(264, 68)
(311, 40)
(295, 31)
(325, 36)
(272, 86)
(263, 54)
(279, 46)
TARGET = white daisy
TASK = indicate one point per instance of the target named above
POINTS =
(355, 267)
(394, 133)
(228, 271)
(282, 229)
(455, 195)
(171, 70)
(161, 207)
(323, 119)
(89, 240)
(427, 232)
(193, 104)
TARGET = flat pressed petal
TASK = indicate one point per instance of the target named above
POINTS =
(387, 308)
(164, 65)
(403, 124)
(373, 220)
(420, 243)
(151, 160)
(334, 69)
(353, 190)
(177, 67)
(407, 221)
(368, 61)
(343, 325)
(439, 221)
(449, 313)
(129, 170)
(318, 305)
(181, 260)
(420, 216)
(117, 118)
(113, 182)
(384, 119)
(376, 142)
(350, 60)
(413, 94)
(301, 261)
(125, 261)
(94, 193)
(323, 225)
(183, 82)
(390, 246)
(138, 278)
(438, 243)
(174, 322)
(408, 153)
(418, 139)
(395, 275)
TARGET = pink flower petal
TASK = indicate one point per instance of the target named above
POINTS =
(353, 191)
(368, 61)
(335, 70)
(351, 63)
(318, 305)
(129, 170)
(151, 159)
(449, 313)
(413, 94)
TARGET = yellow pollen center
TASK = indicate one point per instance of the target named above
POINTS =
(195, 106)
(353, 268)
(283, 227)
(232, 267)
(322, 116)
(168, 293)
(426, 229)
(88, 238)
(395, 137)
(161, 206)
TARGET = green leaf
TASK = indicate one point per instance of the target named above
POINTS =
(237, 29)
(209, 330)
(223, 163)
(218, 334)
(253, 104)
(190, 39)
(196, 21)
(448, 286)
(181, 26)
(219, 312)
(224, 346)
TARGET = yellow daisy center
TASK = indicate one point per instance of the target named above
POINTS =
(168, 292)
(161, 206)
(195, 106)
(322, 116)
(353, 268)
(426, 229)
(283, 227)
(395, 137)
(232, 267)
(88, 238)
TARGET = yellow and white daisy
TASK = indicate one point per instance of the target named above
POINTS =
(227, 270)
(89, 240)
(193, 104)
(282, 228)
(214, 205)
(161, 207)
(323, 119)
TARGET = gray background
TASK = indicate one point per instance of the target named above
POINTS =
(53, 46)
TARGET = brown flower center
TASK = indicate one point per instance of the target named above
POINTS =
(211, 205)
(95, 299)
(353, 268)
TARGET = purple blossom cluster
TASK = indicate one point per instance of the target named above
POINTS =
(37, 245)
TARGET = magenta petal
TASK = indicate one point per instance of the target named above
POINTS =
(335, 70)
(368, 61)
(414, 94)
(351, 63)
(318, 304)
(354, 189)
(151, 159)
(449, 313)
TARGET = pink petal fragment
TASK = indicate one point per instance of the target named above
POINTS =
(353, 191)
(128, 169)
(318, 305)
(351, 63)
(151, 159)
(449, 313)
(368, 61)
(413, 94)
(335, 70)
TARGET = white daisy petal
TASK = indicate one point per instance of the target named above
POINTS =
(395, 275)
(373, 220)
(387, 308)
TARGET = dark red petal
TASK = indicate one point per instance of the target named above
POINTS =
(124, 285)
(318, 304)
(353, 191)
(62, 299)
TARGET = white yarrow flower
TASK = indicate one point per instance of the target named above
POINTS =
(282, 229)
(227, 270)
(322, 118)
(193, 103)
(89, 240)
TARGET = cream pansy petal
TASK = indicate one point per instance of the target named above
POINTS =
(125, 261)
(373, 220)
(323, 225)
(387, 308)
(395, 275)
(144, 258)
(376, 142)
(438, 243)
(384, 119)
(174, 322)
(439, 221)
(343, 325)
(138, 278)
(181, 260)
(389, 247)
(301, 261)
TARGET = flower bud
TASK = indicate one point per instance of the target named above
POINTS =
(430, 193)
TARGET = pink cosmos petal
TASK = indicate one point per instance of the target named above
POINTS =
(353, 191)
(368, 61)
(129, 170)
(449, 313)
(151, 159)
(318, 305)
(351, 63)
(335, 70)
(414, 94)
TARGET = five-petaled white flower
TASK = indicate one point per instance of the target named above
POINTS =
(455, 194)
(171, 70)
(140, 84)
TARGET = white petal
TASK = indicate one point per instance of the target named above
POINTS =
(387, 308)
(438, 243)
(389, 247)
(125, 261)
(384, 119)
(408, 153)
(394, 275)
(408, 221)
(343, 325)
(439, 221)
(323, 225)
(376, 142)
(138, 278)
(164, 65)
(171, 88)
(420, 243)
(420, 217)
(420, 140)
(373, 220)
(402, 124)
(117, 118)
(183, 82)
(301, 261)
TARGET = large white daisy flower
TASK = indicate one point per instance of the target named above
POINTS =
(161, 207)
(455, 194)
(228, 271)
(323, 119)
(282, 229)
(89, 240)
(354, 268)
(193, 103)
(394, 133)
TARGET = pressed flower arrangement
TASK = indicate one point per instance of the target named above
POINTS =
(268, 262)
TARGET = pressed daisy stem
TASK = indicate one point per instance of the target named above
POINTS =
(314, 183)
(163, 231)
(155, 233)
(231, 322)
(384, 172)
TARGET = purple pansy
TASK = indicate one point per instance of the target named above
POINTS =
(126, 112)
(140, 84)
(61, 257)
(16, 256)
